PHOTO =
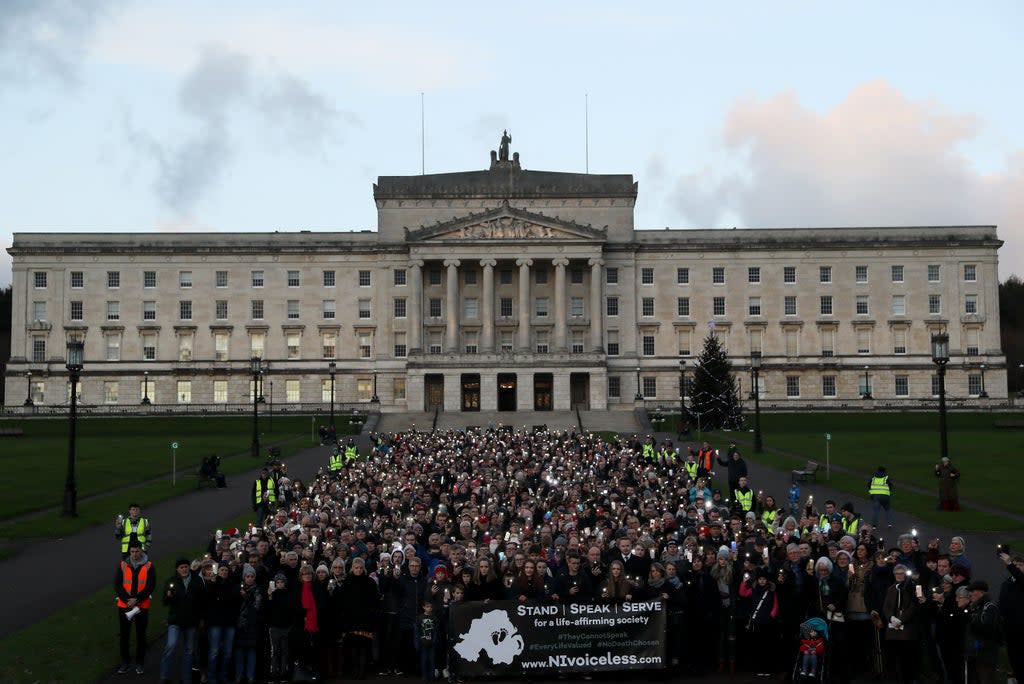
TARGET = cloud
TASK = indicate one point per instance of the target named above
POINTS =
(876, 158)
(46, 40)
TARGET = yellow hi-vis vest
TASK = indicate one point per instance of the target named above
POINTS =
(879, 485)
(139, 531)
(851, 526)
(648, 452)
(746, 501)
(335, 463)
(351, 453)
(768, 518)
(271, 494)
(691, 470)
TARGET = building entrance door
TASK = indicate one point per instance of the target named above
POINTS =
(435, 392)
(543, 391)
(471, 392)
(506, 391)
(579, 391)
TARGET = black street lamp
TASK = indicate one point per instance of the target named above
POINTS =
(75, 354)
(867, 385)
(983, 394)
(755, 368)
(639, 395)
(374, 399)
(256, 366)
(145, 388)
(682, 397)
(270, 403)
(332, 368)
(28, 389)
(940, 357)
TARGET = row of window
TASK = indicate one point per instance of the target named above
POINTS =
(257, 278)
(897, 273)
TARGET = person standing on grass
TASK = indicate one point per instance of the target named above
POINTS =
(949, 478)
(134, 584)
(880, 491)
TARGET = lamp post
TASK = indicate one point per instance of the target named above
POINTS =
(374, 399)
(270, 397)
(145, 388)
(332, 368)
(256, 366)
(28, 389)
(682, 396)
(983, 394)
(76, 351)
(639, 395)
(755, 368)
(940, 357)
(867, 385)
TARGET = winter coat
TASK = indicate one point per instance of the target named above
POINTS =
(361, 602)
(184, 604)
(901, 602)
(223, 603)
(250, 617)
(983, 636)
(949, 476)
(411, 592)
(1011, 598)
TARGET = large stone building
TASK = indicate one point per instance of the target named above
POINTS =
(503, 289)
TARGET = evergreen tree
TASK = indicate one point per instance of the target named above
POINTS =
(714, 390)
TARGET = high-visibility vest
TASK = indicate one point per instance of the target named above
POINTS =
(667, 455)
(851, 526)
(351, 452)
(271, 493)
(704, 458)
(768, 518)
(139, 531)
(879, 485)
(745, 500)
(648, 452)
(134, 580)
(691, 470)
(335, 463)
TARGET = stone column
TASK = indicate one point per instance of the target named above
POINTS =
(416, 307)
(596, 312)
(560, 314)
(523, 336)
(487, 310)
(451, 336)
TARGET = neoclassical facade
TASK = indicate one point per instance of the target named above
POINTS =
(503, 289)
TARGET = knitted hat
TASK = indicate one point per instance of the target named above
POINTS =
(323, 567)
(248, 570)
(280, 577)
(182, 561)
(723, 552)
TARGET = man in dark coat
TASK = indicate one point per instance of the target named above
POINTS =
(949, 477)
(1011, 606)
(183, 596)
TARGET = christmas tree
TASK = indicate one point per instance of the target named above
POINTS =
(714, 399)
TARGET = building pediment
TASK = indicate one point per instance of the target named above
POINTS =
(506, 223)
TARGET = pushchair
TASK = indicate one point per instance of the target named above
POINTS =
(813, 638)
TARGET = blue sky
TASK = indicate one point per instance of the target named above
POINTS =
(197, 116)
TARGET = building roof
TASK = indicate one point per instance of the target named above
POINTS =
(505, 181)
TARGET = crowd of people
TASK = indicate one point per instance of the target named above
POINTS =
(353, 573)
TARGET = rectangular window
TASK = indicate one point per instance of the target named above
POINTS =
(934, 304)
(400, 347)
(185, 347)
(113, 311)
(38, 349)
(77, 311)
(541, 276)
(972, 338)
(897, 273)
(185, 309)
(901, 386)
(257, 344)
(292, 393)
(364, 389)
(648, 345)
(110, 388)
(293, 309)
(792, 386)
(329, 278)
(970, 304)
(792, 340)
(505, 276)
(220, 391)
(328, 309)
(934, 274)
(470, 276)
(684, 336)
(434, 342)
(470, 308)
(825, 274)
(683, 306)
(325, 390)
(974, 386)
(328, 344)
(576, 307)
(149, 346)
(434, 307)
(718, 306)
(148, 279)
(863, 341)
(77, 280)
(113, 346)
(789, 274)
(789, 305)
(365, 344)
(221, 280)
(755, 337)
(221, 351)
(682, 276)
(970, 273)
(541, 339)
(860, 274)
(364, 279)
(650, 387)
(576, 276)
(612, 342)
(38, 311)
(399, 307)
(899, 340)
(825, 307)
(647, 306)
(828, 385)
(506, 341)
(399, 278)
(611, 275)
(184, 391)
(646, 276)
(293, 341)
(935, 385)
(293, 279)
(862, 305)
(540, 307)
(434, 276)
(113, 279)
(828, 342)
(718, 275)
(754, 275)
(39, 277)
(754, 306)
(576, 342)
(221, 309)
(256, 307)
(185, 279)
(256, 278)
(612, 306)
(614, 387)
(505, 307)
(364, 309)
(899, 305)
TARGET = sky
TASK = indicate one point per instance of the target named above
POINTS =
(119, 115)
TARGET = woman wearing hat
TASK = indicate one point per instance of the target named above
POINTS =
(250, 625)
(949, 478)
(900, 614)
(359, 619)
(761, 624)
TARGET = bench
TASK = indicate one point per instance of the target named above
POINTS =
(809, 472)
(204, 480)
(12, 432)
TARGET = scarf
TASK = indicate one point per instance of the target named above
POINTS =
(309, 604)
(656, 584)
